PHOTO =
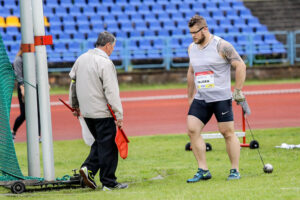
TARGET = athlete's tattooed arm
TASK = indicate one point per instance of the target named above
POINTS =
(227, 51)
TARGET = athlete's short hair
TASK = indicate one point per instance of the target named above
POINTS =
(197, 20)
(104, 38)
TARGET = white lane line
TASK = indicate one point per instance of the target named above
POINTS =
(183, 96)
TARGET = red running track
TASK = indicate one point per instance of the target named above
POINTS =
(168, 116)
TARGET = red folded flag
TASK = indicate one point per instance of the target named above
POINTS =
(121, 138)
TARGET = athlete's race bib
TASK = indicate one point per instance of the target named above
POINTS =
(205, 79)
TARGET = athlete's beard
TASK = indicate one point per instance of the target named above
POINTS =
(200, 41)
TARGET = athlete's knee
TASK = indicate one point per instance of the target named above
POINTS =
(192, 131)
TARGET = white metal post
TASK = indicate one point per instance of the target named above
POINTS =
(43, 87)
(29, 70)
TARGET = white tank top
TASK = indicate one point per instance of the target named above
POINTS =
(211, 72)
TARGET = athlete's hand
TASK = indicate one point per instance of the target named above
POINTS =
(76, 112)
(22, 92)
(238, 95)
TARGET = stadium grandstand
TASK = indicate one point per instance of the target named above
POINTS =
(150, 33)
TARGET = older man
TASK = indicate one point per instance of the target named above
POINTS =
(94, 85)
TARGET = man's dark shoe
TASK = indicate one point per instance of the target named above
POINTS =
(116, 187)
(88, 177)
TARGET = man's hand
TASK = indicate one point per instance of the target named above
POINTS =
(238, 95)
(76, 112)
(120, 123)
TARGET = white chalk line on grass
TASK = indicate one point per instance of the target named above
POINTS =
(184, 96)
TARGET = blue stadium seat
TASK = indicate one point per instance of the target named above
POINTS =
(112, 27)
(51, 4)
(95, 19)
(55, 29)
(135, 34)
(107, 3)
(154, 25)
(80, 3)
(75, 10)
(186, 42)
(184, 7)
(68, 20)
(218, 30)
(258, 39)
(60, 46)
(182, 24)
(9, 4)
(61, 11)
(140, 26)
(149, 17)
(169, 25)
(63, 36)
(136, 18)
(163, 16)
(163, 33)
(232, 14)
(121, 35)
(7, 38)
(177, 32)
(158, 9)
(47, 11)
(126, 26)
(189, 15)
(210, 6)
(238, 5)
(197, 7)
(55, 20)
(240, 23)
(135, 2)
(129, 9)
(4, 12)
(66, 3)
(84, 28)
(229, 38)
(242, 40)
(69, 28)
(253, 22)
(93, 3)
(89, 11)
(175, 43)
(116, 10)
(278, 48)
(263, 49)
(246, 14)
(102, 10)
(270, 38)
(218, 15)
(225, 23)
(163, 2)
(224, 6)
(158, 43)
(123, 18)
(82, 19)
(247, 30)
(149, 33)
(177, 16)
(92, 36)
(145, 44)
(143, 9)
(261, 29)
(74, 46)
(109, 19)
(15, 11)
(171, 8)
(233, 30)
(132, 44)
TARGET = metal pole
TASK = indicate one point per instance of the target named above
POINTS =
(33, 152)
(43, 87)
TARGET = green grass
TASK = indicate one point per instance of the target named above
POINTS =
(164, 156)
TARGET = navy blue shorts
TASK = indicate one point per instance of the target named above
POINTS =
(204, 111)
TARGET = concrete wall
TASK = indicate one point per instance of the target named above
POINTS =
(179, 75)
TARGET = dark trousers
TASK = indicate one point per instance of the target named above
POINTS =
(104, 151)
(21, 118)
